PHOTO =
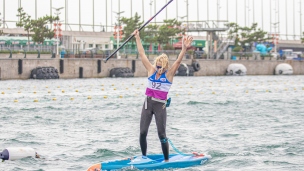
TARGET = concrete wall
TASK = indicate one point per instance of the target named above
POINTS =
(254, 67)
(9, 67)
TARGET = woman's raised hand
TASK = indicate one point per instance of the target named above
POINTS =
(187, 41)
(136, 33)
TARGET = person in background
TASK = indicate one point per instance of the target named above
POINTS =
(62, 53)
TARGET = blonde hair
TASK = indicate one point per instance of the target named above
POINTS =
(163, 59)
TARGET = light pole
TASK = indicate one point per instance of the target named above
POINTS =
(294, 26)
(182, 20)
(263, 15)
(207, 10)
(143, 11)
(151, 7)
(57, 13)
(118, 27)
(248, 20)
(218, 12)
(236, 11)
(253, 12)
(0, 20)
(155, 11)
(131, 9)
(245, 13)
(227, 9)
(187, 4)
(286, 19)
(275, 36)
(3, 21)
(176, 9)
(66, 14)
(300, 19)
(93, 17)
(1, 31)
(197, 10)
(166, 11)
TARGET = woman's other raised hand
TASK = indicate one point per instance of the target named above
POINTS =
(186, 42)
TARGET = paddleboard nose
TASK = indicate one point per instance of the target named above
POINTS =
(95, 167)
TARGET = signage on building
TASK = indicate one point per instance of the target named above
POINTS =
(199, 43)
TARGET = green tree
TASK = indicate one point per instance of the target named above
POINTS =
(41, 30)
(246, 35)
(169, 29)
(129, 25)
(25, 22)
(302, 39)
(151, 32)
(147, 34)
(161, 34)
(38, 27)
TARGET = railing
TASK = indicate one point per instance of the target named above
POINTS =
(28, 48)
(223, 47)
(252, 56)
(133, 54)
(123, 53)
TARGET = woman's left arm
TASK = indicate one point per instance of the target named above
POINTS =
(186, 43)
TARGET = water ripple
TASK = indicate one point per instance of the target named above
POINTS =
(244, 123)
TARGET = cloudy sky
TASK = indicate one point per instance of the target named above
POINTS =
(286, 13)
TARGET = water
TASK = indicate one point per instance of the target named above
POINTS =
(244, 123)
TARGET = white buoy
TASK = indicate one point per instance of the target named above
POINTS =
(283, 69)
(15, 153)
(236, 69)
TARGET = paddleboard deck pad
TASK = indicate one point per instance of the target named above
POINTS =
(151, 162)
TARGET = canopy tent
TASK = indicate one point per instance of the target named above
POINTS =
(4, 40)
(50, 42)
(18, 41)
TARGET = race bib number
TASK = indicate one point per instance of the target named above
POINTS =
(156, 85)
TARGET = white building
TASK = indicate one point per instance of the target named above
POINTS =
(79, 40)
(75, 40)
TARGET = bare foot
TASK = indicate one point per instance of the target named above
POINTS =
(166, 160)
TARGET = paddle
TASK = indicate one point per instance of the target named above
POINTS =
(105, 60)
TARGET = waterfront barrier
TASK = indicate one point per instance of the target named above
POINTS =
(94, 68)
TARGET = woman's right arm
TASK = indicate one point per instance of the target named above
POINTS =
(142, 54)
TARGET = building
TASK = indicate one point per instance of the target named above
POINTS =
(80, 40)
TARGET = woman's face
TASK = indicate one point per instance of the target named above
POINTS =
(159, 68)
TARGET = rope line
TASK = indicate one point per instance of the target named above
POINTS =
(176, 150)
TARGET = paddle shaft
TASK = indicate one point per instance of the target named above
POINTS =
(147, 22)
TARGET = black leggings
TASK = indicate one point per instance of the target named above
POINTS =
(160, 113)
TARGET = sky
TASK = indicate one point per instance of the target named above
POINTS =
(274, 16)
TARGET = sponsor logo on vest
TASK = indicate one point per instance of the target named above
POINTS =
(163, 79)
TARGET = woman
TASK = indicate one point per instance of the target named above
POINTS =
(160, 78)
